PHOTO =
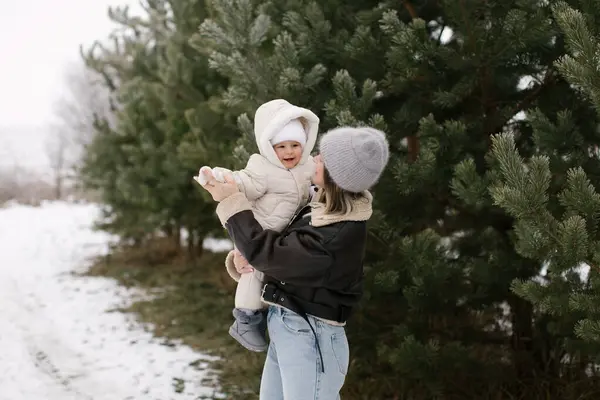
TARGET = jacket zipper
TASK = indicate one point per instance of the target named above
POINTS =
(294, 218)
(299, 195)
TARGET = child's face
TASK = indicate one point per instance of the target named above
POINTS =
(289, 153)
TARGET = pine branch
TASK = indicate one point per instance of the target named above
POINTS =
(468, 25)
(526, 102)
(412, 141)
(549, 78)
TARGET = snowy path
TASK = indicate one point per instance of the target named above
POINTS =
(58, 338)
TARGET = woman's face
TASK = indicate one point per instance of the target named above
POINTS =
(319, 176)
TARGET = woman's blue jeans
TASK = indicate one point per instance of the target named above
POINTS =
(293, 369)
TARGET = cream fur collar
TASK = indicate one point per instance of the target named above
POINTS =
(361, 210)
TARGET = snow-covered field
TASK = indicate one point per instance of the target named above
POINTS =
(59, 339)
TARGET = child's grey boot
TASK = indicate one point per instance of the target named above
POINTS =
(249, 330)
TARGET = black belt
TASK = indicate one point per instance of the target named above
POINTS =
(273, 294)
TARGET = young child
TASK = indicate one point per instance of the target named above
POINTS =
(277, 183)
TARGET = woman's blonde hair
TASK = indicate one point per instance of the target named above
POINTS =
(336, 199)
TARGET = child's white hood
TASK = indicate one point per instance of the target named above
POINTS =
(272, 116)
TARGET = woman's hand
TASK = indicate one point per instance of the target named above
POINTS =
(241, 264)
(219, 190)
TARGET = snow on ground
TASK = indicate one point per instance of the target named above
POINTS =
(59, 339)
(217, 245)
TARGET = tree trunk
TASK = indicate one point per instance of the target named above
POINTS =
(191, 244)
(194, 245)
(522, 338)
(58, 187)
(168, 230)
(199, 245)
(177, 235)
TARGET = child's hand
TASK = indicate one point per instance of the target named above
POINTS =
(241, 264)
(220, 173)
(201, 177)
(219, 191)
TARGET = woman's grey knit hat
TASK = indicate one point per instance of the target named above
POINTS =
(354, 157)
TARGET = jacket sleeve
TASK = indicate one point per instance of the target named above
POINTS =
(297, 257)
(252, 180)
(230, 267)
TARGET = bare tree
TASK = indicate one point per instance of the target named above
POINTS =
(85, 100)
(58, 145)
(9, 185)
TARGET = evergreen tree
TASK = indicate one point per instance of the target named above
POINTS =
(552, 193)
(440, 319)
(168, 125)
(281, 49)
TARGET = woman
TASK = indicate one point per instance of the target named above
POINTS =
(313, 268)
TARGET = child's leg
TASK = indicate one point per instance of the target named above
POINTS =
(249, 328)
(249, 288)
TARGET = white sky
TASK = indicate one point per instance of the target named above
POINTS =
(39, 41)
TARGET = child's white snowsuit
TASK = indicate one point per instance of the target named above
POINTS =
(274, 191)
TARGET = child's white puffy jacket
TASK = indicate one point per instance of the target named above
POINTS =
(275, 191)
